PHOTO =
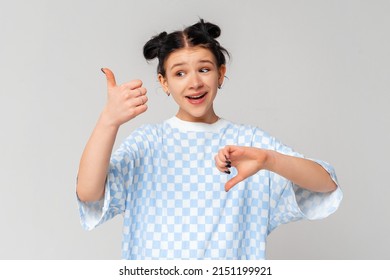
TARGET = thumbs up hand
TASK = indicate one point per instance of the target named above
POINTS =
(124, 102)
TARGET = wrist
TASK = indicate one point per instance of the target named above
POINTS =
(105, 120)
(270, 160)
(107, 123)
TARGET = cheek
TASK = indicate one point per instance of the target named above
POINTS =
(213, 83)
(176, 86)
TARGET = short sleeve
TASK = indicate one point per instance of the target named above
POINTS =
(289, 202)
(314, 205)
(119, 179)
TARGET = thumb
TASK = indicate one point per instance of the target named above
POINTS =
(110, 77)
(232, 182)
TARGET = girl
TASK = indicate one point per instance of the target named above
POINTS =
(195, 186)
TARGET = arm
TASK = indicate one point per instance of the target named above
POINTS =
(248, 161)
(123, 104)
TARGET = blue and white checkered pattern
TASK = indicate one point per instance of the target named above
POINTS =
(164, 180)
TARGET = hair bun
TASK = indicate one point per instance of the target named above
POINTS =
(152, 47)
(162, 36)
(206, 30)
(212, 29)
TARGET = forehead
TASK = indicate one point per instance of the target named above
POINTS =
(189, 55)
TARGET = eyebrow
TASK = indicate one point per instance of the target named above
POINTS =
(177, 64)
(200, 61)
(207, 61)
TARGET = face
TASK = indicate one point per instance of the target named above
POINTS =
(192, 78)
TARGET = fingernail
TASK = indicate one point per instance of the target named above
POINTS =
(102, 70)
(227, 171)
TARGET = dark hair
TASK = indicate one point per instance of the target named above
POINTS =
(202, 34)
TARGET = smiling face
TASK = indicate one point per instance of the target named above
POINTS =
(192, 77)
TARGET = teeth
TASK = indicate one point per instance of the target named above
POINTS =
(195, 97)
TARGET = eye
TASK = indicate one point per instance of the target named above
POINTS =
(204, 70)
(179, 74)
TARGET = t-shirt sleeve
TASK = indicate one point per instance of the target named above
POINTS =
(119, 179)
(289, 202)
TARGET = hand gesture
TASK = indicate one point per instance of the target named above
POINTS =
(247, 161)
(125, 101)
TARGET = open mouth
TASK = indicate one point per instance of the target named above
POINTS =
(196, 97)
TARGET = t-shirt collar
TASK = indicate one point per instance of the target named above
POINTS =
(187, 126)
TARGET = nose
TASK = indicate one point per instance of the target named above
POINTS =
(196, 81)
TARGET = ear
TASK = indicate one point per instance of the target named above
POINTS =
(222, 72)
(163, 82)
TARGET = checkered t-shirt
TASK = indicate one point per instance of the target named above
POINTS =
(164, 181)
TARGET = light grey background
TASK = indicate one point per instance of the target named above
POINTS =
(315, 74)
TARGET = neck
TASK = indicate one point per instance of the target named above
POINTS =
(209, 119)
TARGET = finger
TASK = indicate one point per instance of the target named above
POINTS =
(134, 84)
(224, 154)
(140, 91)
(110, 77)
(138, 101)
(228, 151)
(140, 109)
(221, 162)
(221, 165)
(232, 182)
(220, 158)
(143, 100)
(134, 93)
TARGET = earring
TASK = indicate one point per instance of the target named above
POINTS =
(168, 93)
